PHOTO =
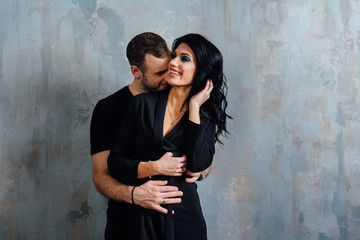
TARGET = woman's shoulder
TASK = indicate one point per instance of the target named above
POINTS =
(149, 101)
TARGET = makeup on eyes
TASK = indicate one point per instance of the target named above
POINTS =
(184, 57)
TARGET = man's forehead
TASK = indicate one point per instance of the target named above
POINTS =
(155, 63)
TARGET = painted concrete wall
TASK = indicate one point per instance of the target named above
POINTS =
(289, 170)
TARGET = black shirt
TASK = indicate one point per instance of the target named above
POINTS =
(106, 119)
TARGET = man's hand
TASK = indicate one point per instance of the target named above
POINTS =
(154, 193)
(193, 176)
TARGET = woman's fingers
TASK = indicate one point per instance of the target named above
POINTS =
(210, 87)
(180, 159)
(204, 94)
(181, 165)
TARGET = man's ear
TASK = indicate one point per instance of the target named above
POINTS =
(136, 72)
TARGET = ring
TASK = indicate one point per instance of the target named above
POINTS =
(164, 201)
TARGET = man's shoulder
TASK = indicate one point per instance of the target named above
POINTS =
(123, 96)
(150, 96)
(120, 94)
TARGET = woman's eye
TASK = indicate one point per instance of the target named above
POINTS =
(185, 59)
(173, 55)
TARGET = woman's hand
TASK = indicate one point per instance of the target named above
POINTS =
(198, 99)
(169, 165)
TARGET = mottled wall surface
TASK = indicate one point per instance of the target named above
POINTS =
(289, 170)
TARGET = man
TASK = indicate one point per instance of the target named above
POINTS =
(148, 55)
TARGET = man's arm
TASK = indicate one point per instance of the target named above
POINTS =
(149, 195)
(104, 183)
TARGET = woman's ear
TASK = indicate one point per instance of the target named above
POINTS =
(136, 72)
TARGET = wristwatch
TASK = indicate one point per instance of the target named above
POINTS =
(202, 176)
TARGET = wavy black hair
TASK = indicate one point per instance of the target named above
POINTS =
(209, 65)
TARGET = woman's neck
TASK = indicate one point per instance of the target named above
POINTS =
(177, 98)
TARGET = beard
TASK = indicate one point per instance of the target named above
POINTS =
(149, 86)
(153, 86)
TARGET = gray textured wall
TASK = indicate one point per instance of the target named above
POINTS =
(290, 169)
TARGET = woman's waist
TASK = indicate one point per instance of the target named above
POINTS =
(174, 181)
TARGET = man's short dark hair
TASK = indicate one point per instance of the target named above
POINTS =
(145, 43)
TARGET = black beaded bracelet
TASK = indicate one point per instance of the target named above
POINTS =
(132, 194)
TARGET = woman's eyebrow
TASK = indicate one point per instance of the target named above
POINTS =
(185, 54)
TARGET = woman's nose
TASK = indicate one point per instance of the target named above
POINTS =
(173, 62)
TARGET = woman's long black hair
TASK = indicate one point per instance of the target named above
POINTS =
(209, 65)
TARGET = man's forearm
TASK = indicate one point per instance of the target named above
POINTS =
(111, 188)
(148, 195)
(105, 183)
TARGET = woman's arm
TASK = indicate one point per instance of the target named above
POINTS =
(167, 165)
(200, 136)
(197, 100)
(199, 145)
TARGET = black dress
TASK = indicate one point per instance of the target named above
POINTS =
(141, 139)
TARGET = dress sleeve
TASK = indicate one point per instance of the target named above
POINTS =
(200, 145)
(121, 166)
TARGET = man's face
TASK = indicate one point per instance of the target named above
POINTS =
(153, 79)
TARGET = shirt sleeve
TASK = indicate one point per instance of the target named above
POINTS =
(200, 145)
(121, 165)
(99, 130)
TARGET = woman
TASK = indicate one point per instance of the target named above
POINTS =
(186, 119)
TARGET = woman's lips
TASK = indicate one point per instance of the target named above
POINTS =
(174, 72)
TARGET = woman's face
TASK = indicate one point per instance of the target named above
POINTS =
(182, 66)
